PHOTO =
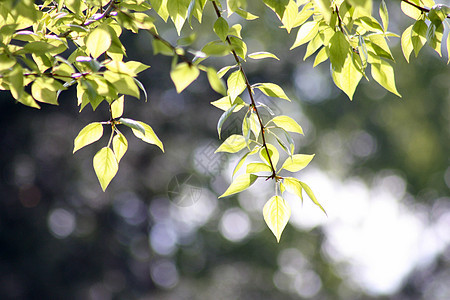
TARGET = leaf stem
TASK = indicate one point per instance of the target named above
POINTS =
(252, 99)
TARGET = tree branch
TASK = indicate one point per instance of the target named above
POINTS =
(422, 9)
(250, 93)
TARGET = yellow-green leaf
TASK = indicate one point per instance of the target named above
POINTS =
(276, 214)
(262, 55)
(258, 167)
(120, 146)
(311, 195)
(306, 33)
(383, 73)
(236, 84)
(274, 155)
(105, 166)
(221, 28)
(287, 124)
(232, 144)
(89, 134)
(215, 82)
(272, 90)
(183, 75)
(407, 46)
(290, 15)
(98, 41)
(239, 184)
(384, 14)
(117, 107)
(297, 162)
(419, 35)
(347, 77)
(149, 137)
(293, 186)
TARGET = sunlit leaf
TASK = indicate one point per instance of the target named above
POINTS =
(117, 108)
(232, 144)
(274, 155)
(407, 46)
(276, 214)
(287, 124)
(419, 35)
(311, 195)
(272, 90)
(297, 162)
(183, 75)
(215, 82)
(384, 14)
(221, 28)
(262, 55)
(224, 117)
(293, 186)
(120, 146)
(236, 84)
(258, 167)
(383, 73)
(149, 136)
(239, 184)
(89, 134)
(98, 41)
(306, 33)
(105, 166)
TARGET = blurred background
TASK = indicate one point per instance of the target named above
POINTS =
(381, 171)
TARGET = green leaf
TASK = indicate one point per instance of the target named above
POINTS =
(407, 46)
(232, 144)
(120, 146)
(221, 28)
(98, 41)
(38, 47)
(272, 90)
(45, 90)
(132, 124)
(215, 82)
(216, 48)
(149, 136)
(384, 14)
(324, 7)
(15, 78)
(311, 196)
(347, 77)
(339, 51)
(287, 124)
(239, 184)
(276, 214)
(27, 100)
(183, 75)
(240, 163)
(160, 6)
(178, 10)
(117, 108)
(88, 135)
(123, 83)
(262, 55)
(321, 56)
(293, 186)
(419, 35)
(105, 166)
(224, 117)
(246, 15)
(225, 103)
(238, 46)
(383, 73)
(410, 10)
(434, 37)
(258, 167)
(306, 33)
(236, 84)
(289, 16)
(297, 162)
(274, 155)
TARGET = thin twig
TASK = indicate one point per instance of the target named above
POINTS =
(250, 92)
